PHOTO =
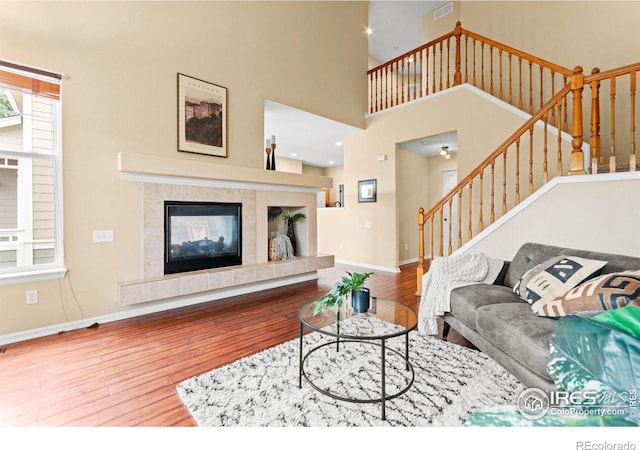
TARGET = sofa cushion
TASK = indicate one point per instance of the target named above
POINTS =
(517, 331)
(466, 300)
(555, 277)
(609, 291)
(531, 254)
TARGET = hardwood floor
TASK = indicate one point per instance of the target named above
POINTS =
(124, 373)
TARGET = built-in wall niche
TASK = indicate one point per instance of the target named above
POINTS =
(277, 225)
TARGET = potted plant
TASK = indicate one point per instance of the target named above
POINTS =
(352, 283)
(291, 218)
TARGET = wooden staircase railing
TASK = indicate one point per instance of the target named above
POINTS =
(414, 74)
(622, 103)
(530, 149)
(461, 56)
(429, 69)
(615, 84)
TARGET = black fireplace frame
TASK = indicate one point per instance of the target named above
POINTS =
(200, 263)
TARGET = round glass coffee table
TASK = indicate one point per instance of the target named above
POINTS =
(385, 319)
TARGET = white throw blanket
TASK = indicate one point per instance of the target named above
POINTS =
(444, 275)
(284, 247)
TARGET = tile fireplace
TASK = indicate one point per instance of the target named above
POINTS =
(248, 193)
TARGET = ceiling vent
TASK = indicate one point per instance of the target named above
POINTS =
(443, 11)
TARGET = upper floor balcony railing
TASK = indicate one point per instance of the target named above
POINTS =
(461, 56)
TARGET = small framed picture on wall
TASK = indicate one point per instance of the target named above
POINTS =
(202, 117)
(367, 191)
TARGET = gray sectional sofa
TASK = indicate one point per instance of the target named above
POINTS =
(503, 326)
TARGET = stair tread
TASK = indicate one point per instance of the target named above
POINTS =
(621, 167)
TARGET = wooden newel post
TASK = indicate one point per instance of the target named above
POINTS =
(420, 269)
(457, 76)
(577, 157)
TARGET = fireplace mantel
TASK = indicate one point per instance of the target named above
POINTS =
(159, 169)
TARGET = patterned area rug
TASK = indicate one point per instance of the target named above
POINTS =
(261, 390)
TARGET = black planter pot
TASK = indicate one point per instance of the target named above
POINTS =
(292, 236)
(360, 300)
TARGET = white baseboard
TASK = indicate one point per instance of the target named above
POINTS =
(153, 307)
(368, 266)
(408, 261)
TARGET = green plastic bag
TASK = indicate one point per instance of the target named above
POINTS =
(593, 353)
(625, 319)
(600, 355)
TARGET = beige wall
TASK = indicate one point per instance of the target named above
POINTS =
(381, 244)
(119, 95)
(432, 29)
(313, 170)
(287, 165)
(570, 33)
(583, 215)
(413, 175)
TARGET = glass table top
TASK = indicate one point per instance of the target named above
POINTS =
(385, 319)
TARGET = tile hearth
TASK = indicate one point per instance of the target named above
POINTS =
(170, 286)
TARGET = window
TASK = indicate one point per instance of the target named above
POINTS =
(30, 174)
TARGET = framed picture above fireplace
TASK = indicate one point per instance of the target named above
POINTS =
(202, 117)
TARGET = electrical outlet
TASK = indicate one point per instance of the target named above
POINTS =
(103, 236)
(32, 297)
(406, 246)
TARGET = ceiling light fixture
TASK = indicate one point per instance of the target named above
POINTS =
(444, 152)
(368, 31)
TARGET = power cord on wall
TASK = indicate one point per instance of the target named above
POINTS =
(73, 296)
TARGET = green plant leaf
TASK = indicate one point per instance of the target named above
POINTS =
(289, 216)
(347, 284)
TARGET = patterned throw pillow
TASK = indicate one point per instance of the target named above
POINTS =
(555, 277)
(609, 291)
